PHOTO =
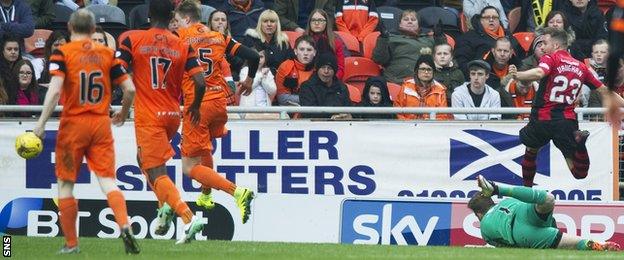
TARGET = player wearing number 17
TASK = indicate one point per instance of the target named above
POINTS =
(552, 115)
(211, 48)
(82, 75)
(159, 60)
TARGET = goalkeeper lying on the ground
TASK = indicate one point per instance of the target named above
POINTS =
(524, 220)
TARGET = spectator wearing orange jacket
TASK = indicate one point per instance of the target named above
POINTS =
(358, 17)
(293, 72)
(422, 91)
(522, 94)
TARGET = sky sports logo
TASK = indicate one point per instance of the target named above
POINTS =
(395, 223)
(496, 156)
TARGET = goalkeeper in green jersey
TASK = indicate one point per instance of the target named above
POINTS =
(524, 219)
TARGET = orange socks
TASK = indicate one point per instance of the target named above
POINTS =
(117, 203)
(166, 191)
(68, 208)
(209, 178)
(207, 161)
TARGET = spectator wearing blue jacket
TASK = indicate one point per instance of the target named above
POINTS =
(242, 15)
(16, 19)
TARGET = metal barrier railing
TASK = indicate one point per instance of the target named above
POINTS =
(284, 110)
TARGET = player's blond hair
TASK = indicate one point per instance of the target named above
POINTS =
(191, 9)
(82, 21)
(558, 35)
(280, 37)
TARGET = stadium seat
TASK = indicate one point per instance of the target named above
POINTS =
(430, 16)
(394, 90)
(354, 94)
(352, 43)
(111, 18)
(206, 10)
(525, 39)
(108, 14)
(369, 43)
(450, 40)
(414, 5)
(390, 17)
(61, 17)
(35, 43)
(514, 18)
(139, 17)
(292, 37)
(605, 5)
(128, 5)
(358, 70)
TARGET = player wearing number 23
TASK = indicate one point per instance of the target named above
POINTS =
(552, 114)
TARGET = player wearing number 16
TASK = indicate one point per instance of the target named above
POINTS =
(552, 114)
(83, 73)
(159, 60)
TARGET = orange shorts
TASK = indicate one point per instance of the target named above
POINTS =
(197, 139)
(153, 143)
(84, 136)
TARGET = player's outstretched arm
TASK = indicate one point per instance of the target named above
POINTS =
(119, 117)
(253, 59)
(527, 75)
(200, 89)
(51, 99)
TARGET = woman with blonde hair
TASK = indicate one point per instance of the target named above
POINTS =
(268, 37)
(320, 27)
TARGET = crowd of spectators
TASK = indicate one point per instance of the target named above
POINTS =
(310, 50)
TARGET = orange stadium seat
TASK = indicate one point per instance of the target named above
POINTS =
(35, 43)
(605, 5)
(292, 37)
(354, 94)
(525, 39)
(358, 70)
(394, 90)
(352, 43)
(450, 40)
(369, 43)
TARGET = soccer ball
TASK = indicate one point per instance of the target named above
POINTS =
(28, 145)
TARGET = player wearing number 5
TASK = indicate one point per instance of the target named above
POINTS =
(552, 114)
(211, 48)
(159, 60)
(83, 73)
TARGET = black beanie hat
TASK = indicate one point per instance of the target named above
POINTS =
(425, 58)
(327, 59)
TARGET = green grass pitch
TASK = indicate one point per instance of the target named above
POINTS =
(95, 248)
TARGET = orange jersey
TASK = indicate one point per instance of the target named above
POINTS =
(87, 69)
(211, 48)
(159, 60)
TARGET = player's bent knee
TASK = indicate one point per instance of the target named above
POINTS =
(154, 173)
(65, 189)
(107, 184)
(188, 163)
